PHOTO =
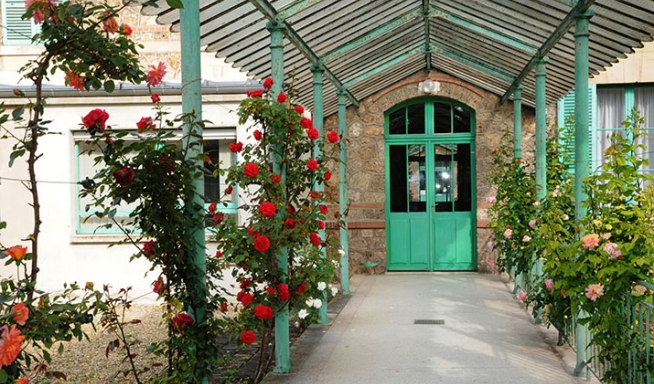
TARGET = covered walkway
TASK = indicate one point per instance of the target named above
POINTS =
(487, 337)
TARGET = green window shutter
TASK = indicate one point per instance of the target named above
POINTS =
(565, 122)
(16, 31)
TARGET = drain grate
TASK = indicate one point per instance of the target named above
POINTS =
(429, 321)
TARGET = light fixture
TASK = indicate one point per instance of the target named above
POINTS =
(429, 87)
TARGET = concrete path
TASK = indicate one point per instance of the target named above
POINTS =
(487, 337)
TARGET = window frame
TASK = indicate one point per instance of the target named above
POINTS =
(209, 133)
(13, 33)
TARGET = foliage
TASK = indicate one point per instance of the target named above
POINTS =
(514, 206)
(85, 41)
(613, 250)
(277, 252)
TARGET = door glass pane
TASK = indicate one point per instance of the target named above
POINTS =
(461, 179)
(397, 122)
(443, 176)
(416, 119)
(416, 179)
(398, 178)
(442, 118)
(461, 120)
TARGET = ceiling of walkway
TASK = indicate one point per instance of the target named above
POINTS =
(366, 46)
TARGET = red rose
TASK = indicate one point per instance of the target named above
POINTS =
(236, 147)
(223, 306)
(313, 133)
(315, 239)
(257, 134)
(245, 283)
(248, 337)
(312, 165)
(218, 218)
(159, 286)
(315, 194)
(268, 83)
(299, 109)
(95, 120)
(229, 190)
(124, 176)
(332, 137)
(290, 223)
(263, 312)
(261, 243)
(321, 224)
(149, 248)
(290, 209)
(306, 123)
(252, 232)
(212, 207)
(323, 209)
(275, 178)
(282, 292)
(219, 254)
(270, 290)
(302, 287)
(255, 93)
(182, 320)
(281, 97)
(145, 124)
(328, 175)
(251, 170)
(247, 299)
(155, 98)
(268, 209)
(126, 30)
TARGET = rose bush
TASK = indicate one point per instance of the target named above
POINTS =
(284, 214)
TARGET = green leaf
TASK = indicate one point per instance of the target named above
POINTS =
(175, 4)
(109, 86)
(18, 113)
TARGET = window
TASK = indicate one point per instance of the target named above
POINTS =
(16, 31)
(216, 145)
(609, 106)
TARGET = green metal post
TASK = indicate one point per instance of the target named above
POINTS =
(343, 199)
(192, 104)
(541, 129)
(581, 153)
(517, 123)
(282, 348)
(317, 153)
(517, 153)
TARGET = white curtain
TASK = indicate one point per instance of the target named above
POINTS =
(644, 103)
(610, 114)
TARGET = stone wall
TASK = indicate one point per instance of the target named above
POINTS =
(366, 161)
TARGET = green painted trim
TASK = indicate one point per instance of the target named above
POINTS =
(388, 64)
(541, 128)
(296, 8)
(517, 122)
(483, 31)
(377, 32)
(580, 7)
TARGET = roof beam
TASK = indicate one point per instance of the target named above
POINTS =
(482, 31)
(297, 7)
(425, 15)
(569, 3)
(580, 7)
(269, 12)
(415, 14)
(380, 68)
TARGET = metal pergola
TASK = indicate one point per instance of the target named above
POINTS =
(533, 51)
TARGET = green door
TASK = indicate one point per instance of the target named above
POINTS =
(430, 189)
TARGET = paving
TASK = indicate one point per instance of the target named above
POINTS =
(475, 331)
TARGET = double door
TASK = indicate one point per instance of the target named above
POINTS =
(430, 200)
